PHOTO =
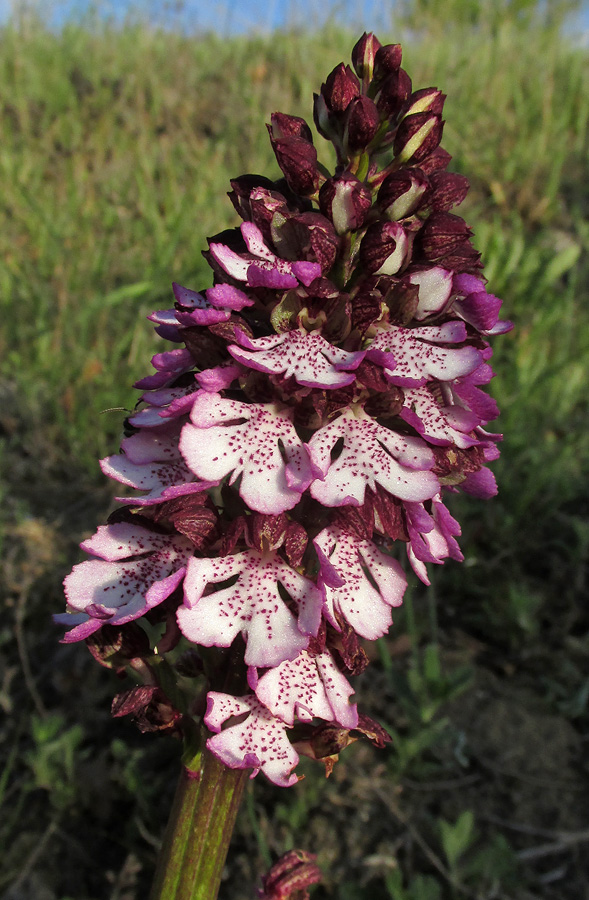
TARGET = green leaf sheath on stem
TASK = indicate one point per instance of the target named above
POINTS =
(199, 831)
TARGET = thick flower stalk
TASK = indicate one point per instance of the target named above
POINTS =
(324, 399)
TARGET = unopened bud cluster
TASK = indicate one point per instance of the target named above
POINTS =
(324, 396)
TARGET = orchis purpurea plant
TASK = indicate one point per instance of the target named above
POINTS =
(325, 399)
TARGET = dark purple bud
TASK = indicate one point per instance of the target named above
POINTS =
(321, 116)
(372, 376)
(347, 643)
(346, 201)
(306, 236)
(356, 520)
(385, 404)
(388, 515)
(446, 238)
(297, 158)
(384, 248)
(340, 89)
(242, 189)
(418, 136)
(149, 707)
(436, 161)
(264, 205)
(289, 126)
(402, 301)
(114, 647)
(425, 100)
(387, 59)
(366, 304)
(192, 515)
(362, 123)
(363, 56)
(289, 878)
(446, 190)
(401, 193)
(265, 532)
(393, 93)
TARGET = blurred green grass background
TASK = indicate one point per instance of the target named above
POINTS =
(117, 149)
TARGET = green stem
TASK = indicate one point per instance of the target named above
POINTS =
(199, 830)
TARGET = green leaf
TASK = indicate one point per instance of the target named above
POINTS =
(457, 838)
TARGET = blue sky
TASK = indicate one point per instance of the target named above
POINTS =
(230, 16)
(224, 16)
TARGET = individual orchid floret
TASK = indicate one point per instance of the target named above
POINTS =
(371, 455)
(362, 124)
(260, 267)
(307, 687)
(417, 137)
(169, 365)
(257, 742)
(137, 569)
(248, 439)
(466, 392)
(252, 606)
(477, 307)
(307, 357)
(360, 582)
(445, 240)
(161, 480)
(411, 357)
(363, 55)
(431, 536)
(441, 425)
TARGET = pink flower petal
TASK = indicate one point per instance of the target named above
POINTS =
(439, 425)
(227, 437)
(364, 602)
(307, 357)
(162, 480)
(228, 297)
(252, 606)
(371, 454)
(308, 687)
(124, 585)
(410, 359)
(258, 742)
(432, 537)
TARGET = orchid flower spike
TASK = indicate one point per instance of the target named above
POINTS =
(294, 453)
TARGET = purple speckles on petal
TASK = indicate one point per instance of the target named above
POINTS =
(411, 358)
(258, 742)
(308, 687)
(364, 603)
(162, 480)
(307, 357)
(439, 425)
(371, 454)
(256, 441)
(137, 570)
(251, 606)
